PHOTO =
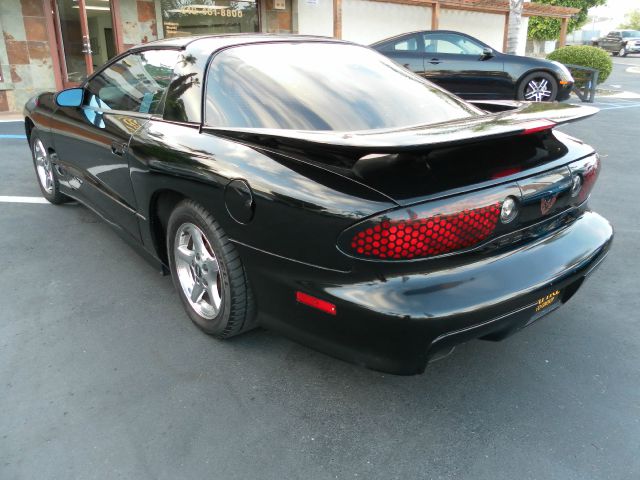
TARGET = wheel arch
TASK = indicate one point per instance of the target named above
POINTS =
(161, 205)
(535, 70)
(29, 125)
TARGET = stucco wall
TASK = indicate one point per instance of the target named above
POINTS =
(315, 18)
(365, 22)
(488, 27)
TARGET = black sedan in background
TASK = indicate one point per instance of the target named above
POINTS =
(319, 189)
(473, 70)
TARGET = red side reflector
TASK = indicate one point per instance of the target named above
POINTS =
(314, 302)
(538, 126)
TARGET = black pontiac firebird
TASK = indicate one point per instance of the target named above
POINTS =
(319, 189)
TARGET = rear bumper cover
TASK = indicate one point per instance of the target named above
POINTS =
(397, 324)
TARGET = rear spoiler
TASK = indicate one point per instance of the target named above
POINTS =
(520, 118)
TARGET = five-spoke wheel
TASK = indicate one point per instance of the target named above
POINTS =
(207, 272)
(44, 168)
(198, 270)
(538, 87)
(45, 171)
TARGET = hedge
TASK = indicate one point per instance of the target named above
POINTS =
(585, 56)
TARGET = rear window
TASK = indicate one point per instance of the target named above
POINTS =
(321, 86)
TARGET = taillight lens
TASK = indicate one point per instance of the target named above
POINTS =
(428, 230)
(426, 237)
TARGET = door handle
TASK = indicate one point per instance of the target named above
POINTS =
(435, 61)
(118, 148)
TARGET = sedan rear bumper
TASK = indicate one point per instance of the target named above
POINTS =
(397, 324)
(564, 91)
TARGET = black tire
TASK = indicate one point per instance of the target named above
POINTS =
(525, 85)
(236, 312)
(52, 191)
(622, 52)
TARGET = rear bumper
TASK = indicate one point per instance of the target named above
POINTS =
(397, 324)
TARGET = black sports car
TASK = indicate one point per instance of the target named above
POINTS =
(317, 188)
(472, 70)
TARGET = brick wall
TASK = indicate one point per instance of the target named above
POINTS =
(25, 54)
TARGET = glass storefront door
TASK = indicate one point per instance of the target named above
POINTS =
(86, 37)
(197, 17)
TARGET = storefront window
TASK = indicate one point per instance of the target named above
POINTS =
(197, 17)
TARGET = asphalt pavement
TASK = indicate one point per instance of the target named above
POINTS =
(103, 376)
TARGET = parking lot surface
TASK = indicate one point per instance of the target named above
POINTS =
(102, 375)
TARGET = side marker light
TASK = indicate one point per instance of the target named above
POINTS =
(314, 302)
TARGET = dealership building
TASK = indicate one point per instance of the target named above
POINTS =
(54, 44)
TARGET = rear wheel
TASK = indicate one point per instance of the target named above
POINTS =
(46, 172)
(622, 52)
(538, 87)
(207, 272)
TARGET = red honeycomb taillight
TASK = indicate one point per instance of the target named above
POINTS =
(425, 237)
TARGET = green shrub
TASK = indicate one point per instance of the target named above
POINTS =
(585, 56)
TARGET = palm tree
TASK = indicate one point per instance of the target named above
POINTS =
(515, 21)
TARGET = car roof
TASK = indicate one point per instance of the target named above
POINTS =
(217, 42)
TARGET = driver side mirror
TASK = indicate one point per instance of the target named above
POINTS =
(487, 53)
(71, 97)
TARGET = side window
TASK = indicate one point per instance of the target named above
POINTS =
(136, 83)
(451, 43)
(407, 45)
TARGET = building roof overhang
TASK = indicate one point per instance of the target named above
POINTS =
(531, 9)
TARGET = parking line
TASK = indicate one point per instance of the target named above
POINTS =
(15, 199)
(6, 135)
(635, 105)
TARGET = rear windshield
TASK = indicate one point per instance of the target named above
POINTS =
(321, 86)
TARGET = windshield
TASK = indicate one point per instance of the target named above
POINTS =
(632, 33)
(321, 86)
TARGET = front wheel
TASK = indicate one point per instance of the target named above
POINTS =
(46, 172)
(207, 272)
(622, 52)
(538, 87)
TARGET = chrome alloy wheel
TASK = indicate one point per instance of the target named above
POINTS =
(43, 166)
(537, 90)
(198, 270)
